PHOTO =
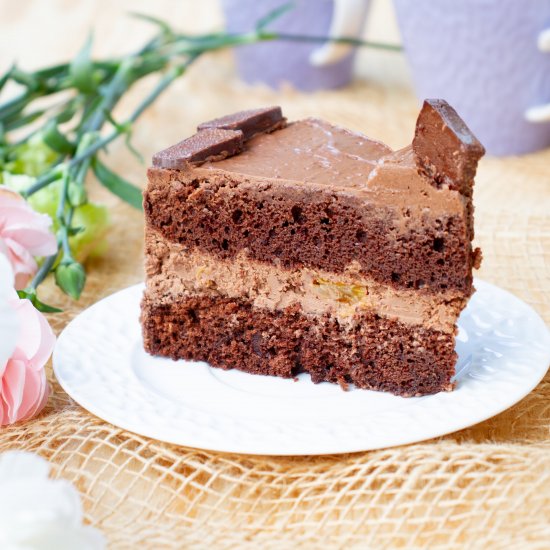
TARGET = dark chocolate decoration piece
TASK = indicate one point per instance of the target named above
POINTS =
(209, 144)
(445, 148)
(252, 122)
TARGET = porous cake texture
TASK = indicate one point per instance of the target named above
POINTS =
(280, 248)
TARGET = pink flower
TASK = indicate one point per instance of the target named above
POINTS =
(23, 386)
(9, 324)
(24, 233)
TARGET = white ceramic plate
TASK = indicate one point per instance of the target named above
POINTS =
(503, 347)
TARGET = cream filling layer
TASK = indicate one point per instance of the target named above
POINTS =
(173, 272)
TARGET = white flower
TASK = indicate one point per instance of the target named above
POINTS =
(9, 324)
(39, 513)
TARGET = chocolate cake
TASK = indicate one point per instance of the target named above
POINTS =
(278, 249)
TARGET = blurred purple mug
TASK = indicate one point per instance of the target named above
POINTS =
(490, 60)
(307, 66)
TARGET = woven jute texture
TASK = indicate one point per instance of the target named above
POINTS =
(484, 487)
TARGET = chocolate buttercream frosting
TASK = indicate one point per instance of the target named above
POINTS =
(309, 151)
(445, 150)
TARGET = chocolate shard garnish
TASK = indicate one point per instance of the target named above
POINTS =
(252, 122)
(207, 145)
(445, 148)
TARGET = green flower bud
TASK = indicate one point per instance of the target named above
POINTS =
(77, 195)
(70, 277)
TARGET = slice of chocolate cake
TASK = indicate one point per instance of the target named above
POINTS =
(279, 248)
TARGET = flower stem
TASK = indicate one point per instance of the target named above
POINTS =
(323, 39)
(44, 269)
(173, 74)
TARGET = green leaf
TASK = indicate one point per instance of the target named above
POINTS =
(92, 103)
(117, 185)
(132, 149)
(123, 128)
(70, 277)
(30, 294)
(67, 114)
(81, 70)
(52, 71)
(15, 105)
(55, 140)
(19, 120)
(72, 231)
(25, 79)
(6, 76)
(163, 25)
(264, 21)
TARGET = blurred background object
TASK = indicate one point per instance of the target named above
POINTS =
(484, 58)
(307, 66)
(489, 58)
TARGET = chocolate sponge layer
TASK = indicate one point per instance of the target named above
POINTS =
(378, 353)
(297, 227)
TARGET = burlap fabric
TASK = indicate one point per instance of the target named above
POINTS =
(484, 487)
